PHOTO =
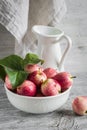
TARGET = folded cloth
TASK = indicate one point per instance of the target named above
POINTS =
(18, 16)
(14, 16)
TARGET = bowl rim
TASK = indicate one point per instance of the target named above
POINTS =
(44, 97)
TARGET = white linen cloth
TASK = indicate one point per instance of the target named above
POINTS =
(18, 16)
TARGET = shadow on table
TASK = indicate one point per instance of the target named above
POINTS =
(66, 112)
(63, 112)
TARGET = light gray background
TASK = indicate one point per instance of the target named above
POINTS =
(74, 24)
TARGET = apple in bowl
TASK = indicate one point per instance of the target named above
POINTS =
(42, 98)
(31, 88)
(37, 104)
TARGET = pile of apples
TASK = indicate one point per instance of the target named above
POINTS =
(48, 82)
(42, 82)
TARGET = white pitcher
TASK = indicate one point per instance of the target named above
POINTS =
(49, 46)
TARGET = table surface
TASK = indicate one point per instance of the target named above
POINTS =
(75, 25)
(62, 119)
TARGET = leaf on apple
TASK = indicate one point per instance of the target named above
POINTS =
(13, 61)
(32, 59)
(13, 66)
(16, 77)
(2, 73)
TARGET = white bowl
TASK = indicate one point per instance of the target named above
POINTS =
(37, 104)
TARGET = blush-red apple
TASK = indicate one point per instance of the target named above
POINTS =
(31, 68)
(38, 77)
(64, 79)
(50, 72)
(27, 88)
(8, 83)
(50, 87)
(79, 105)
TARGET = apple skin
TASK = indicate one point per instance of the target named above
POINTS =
(79, 105)
(8, 83)
(50, 72)
(38, 77)
(31, 68)
(64, 79)
(50, 87)
(27, 88)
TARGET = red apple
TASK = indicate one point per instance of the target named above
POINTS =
(8, 83)
(31, 68)
(64, 79)
(50, 72)
(38, 77)
(50, 87)
(39, 95)
(79, 105)
(27, 88)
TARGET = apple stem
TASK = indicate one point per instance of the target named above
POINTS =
(73, 77)
(86, 111)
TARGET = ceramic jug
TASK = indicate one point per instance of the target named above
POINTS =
(49, 46)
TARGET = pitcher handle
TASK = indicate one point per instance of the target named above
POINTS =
(69, 45)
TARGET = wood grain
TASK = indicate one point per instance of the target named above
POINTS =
(75, 25)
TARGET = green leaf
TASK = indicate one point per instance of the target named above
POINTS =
(2, 73)
(13, 61)
(13, 66)
(16, 77)
(32, 59)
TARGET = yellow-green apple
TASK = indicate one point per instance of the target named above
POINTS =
(79, 105)
(27, 88)
(50, 72)
(37, 77)
(50, 87)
